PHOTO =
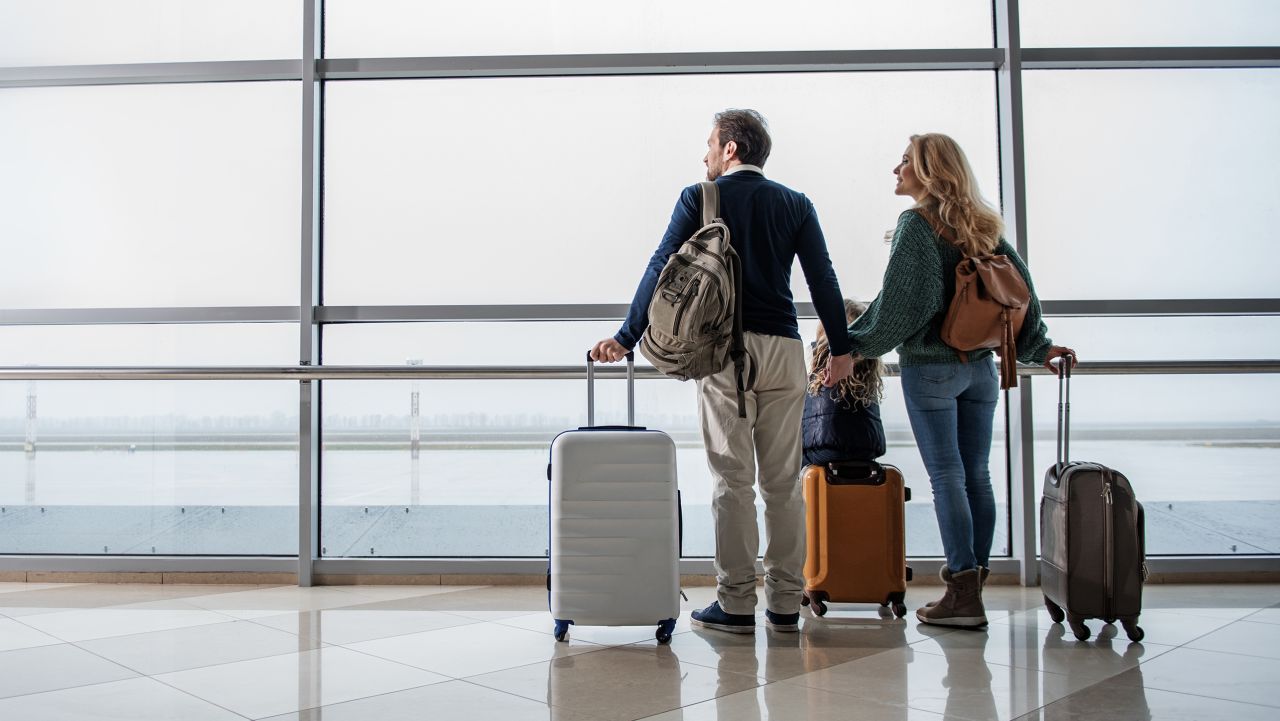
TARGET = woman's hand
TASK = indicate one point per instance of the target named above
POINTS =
(1058, 351)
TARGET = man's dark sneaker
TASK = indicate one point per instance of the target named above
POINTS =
(714, 617)
(784, 622)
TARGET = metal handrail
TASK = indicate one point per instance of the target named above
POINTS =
(578, 372)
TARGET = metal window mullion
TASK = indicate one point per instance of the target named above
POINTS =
(216, 71)
(1018, 407)
(1116, 58)
(531, 372)
(1145, 307)
(495, 312)
(697, 63)
(148, 316)
(309, 271)
(1142, 307)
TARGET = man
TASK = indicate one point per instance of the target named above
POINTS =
(770, 225)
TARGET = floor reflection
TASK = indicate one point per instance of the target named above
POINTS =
(161, 651)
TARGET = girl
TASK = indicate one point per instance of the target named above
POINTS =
(843, 423)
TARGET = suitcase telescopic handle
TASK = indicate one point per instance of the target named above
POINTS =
(1064, 411)
(631, 389)
(855, 473)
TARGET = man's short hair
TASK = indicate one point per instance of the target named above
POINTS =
(749, 130)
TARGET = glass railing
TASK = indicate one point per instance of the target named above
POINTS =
(450, 461)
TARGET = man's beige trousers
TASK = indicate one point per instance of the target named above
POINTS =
(768, 438)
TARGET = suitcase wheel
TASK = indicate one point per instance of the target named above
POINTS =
(897, 602)
(665, 628)
(1078, 628)
(1135, 631)
(1055, 611)
(562, 630)
(816, 600)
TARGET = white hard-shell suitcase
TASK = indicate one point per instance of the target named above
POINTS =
(615, 524)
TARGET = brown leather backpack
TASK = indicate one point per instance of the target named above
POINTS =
(988, 308)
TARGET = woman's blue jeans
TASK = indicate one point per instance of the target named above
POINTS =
(952, 407)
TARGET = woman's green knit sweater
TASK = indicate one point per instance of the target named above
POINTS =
(918, 284)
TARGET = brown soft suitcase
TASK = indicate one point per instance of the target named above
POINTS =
(1092, 538)
(856, 535)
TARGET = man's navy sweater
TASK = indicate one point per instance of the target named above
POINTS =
(770, 225)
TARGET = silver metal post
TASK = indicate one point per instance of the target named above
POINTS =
(1065, 370)
(631, 389)
(309, 392)
(591, 391)
(1013, 203)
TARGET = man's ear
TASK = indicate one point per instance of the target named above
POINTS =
(731, 149)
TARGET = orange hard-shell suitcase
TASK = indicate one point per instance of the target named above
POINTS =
(856, 535)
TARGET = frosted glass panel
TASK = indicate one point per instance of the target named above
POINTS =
(82, 32)
(473, 483)
(1200, 451)
(150, 195)
(149, 467)
(1161, 339)
(1153, 183)
(215, 344)
(1140, 23)
(557, 190)
(386, 28)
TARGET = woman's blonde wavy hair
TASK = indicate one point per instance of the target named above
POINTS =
(864, 386)
(952, 197)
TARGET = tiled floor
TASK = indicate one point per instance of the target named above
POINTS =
(221, 653)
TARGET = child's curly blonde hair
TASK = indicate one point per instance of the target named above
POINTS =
(864, 386)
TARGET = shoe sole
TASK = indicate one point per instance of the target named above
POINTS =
(723, 627)
(958, 621)
(783, 627)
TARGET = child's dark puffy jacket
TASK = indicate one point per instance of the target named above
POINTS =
(834, 432)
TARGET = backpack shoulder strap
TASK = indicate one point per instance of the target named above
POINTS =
(710, 201)
(745, 377)
(947, 236)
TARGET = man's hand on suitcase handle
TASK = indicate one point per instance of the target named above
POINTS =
(608, 351)
(1058, 351)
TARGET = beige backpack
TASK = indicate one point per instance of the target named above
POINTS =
(695, 316)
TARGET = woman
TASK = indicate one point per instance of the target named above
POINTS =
(951, 403)
(843, 423)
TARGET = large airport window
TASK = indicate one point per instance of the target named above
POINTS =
(149, 467)
(1200, 451)
(91, 32)
(1195, 338)
(458, 468)
(395, 28)
(150, 195)
(557, 190)
(1152, 183)
(1144, 23)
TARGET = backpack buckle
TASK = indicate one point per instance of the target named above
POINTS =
(673, 291)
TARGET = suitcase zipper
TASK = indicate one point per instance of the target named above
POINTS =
(1109, 544)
